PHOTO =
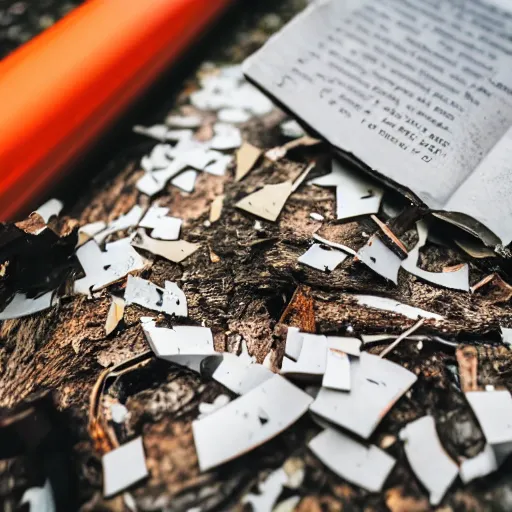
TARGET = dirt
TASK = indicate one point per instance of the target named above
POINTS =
(250, 291)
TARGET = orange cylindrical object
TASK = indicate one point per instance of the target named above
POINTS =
(62, 90)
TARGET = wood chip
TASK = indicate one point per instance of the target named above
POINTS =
(467, 359)
(494, 288)
(300, 311)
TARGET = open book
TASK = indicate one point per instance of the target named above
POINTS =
(417, 92)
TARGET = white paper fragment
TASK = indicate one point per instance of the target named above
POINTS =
(293, 345)
(50, 209)
(312, 358)
(183, 344)
(337, 368)
(246, 158)
(104, 268)
(186, 180)
(88, 231)
(205, 408)
(157, 131)
(322, 258)
(123, 467)
(172, 250)
(287, 505)
(164, 227)
(153, 182)
(183, 121)
(21, 306)
(233, 115)
(170, 300)
(380, 258)
(121, 223)
(317, 216)
(253, 419)
(219, 166)
(292, 129)
(269, 491)
(240, 375)
(180, 136)
(159, 156)
(356, 194)
(376, 384)
(119, 413)
(365, 466)
(506, 335)
(456, 280)
(226, 137)
(40, 499)
(335, 245)
(427, 457)
(387, 304)
(115, 314)
(479, 466)
(351, 346)
(493, 410)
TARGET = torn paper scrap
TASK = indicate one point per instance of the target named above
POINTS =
(246, 158)
(104, 268)
(163, 226)
(292, 129)
(183, 344)
(351, 346)
(119, 413)
(322, 257)
(115, 314)
(205, 408)
(88, 231)
(50, 209)
(240, 375)
(457, 279)
(21, 306)
(478, 466)
(365, 466)
(376, 384)
(216, 208)
(153, 182)
(312, 358)
(233, 115)
(386, 304)
(186, 180)
(293, 344)
(253, 419)
(157, 131)
(172, 250)
(123, 467)
(219, 166)
(506, 335)
(269, 491)
(121, 223)
(226, 137)
(337, 368)
(427, 457)
(177, 121)
(356, 193)
(40, 499)
(493, 410)
(170, 300)
(380, 258)
(268, 202)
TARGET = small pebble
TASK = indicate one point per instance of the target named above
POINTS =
(419, 345)
(316, 216)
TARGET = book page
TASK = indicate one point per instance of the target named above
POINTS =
(420, 91)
